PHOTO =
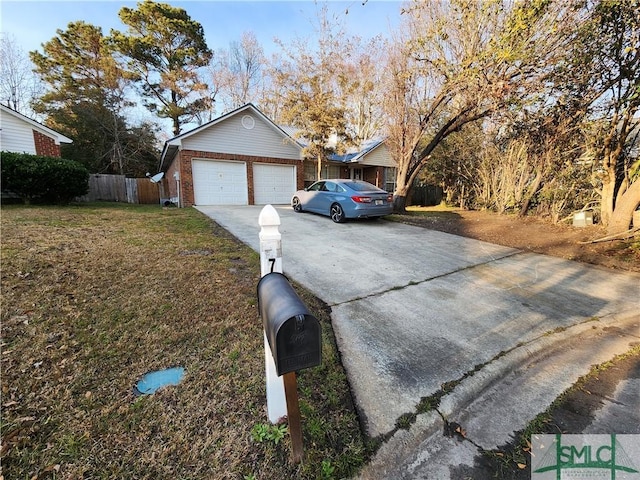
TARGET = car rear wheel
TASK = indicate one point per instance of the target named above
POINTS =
(295, 203)
(336, 212)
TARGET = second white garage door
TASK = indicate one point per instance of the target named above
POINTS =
(274, 184)
(219, 183)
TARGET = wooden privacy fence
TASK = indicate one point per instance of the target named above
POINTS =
(426, 195)
(118, 188)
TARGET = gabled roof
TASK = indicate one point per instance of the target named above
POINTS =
(58, 137)
(172, 145)
(352, 156)
(355, 157)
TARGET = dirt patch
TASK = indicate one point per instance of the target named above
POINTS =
(532, 235)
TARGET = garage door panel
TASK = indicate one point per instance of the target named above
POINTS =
(274, 184)
(219, 182)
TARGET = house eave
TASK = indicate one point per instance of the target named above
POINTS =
(57, 137)
(169, 152)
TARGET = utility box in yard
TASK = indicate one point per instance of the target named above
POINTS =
(582, 219)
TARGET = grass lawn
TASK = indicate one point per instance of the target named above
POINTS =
(96, 295)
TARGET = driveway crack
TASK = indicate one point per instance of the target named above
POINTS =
(420, 282)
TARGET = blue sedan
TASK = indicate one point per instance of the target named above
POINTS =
(341, 199)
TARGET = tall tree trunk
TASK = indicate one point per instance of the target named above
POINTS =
(622, 215)
(400, 201)
(405, 176)
(540, 168)
(533, 189)
(175, 117)
(612, 149)
(608, 196)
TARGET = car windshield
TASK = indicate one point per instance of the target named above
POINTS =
(362, 187)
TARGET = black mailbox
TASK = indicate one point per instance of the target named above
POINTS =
(294, 334)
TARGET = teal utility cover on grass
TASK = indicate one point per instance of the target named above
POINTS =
(152, 381)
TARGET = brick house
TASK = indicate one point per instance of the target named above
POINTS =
(372, 163)
(243, 158)
(21, 134)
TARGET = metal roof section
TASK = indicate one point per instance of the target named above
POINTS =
(353, 155)
(356, 156)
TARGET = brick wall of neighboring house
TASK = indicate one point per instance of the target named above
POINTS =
(169, 181)
(183, 162)
(45, 146)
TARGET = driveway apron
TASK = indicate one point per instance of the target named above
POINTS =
(415, 308)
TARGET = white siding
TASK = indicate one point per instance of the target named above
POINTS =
(230, 136)
(380, 157)
(15, 135)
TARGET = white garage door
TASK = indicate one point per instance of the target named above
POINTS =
(273, 184)
(219, 183)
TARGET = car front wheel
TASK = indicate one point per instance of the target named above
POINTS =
(295, 203)
(336, 212)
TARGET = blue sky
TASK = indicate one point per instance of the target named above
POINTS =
(33, 22)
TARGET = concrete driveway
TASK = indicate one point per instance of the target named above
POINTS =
(414, 309)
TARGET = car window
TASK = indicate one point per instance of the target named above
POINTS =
(316, 187)
(330, 187)
(361, 186)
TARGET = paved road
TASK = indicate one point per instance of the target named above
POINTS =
(414, 308)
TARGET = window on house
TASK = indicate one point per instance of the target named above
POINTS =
(331, 171)
(328, 171)
(390, 179)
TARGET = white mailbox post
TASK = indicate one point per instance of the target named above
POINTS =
(271, 261)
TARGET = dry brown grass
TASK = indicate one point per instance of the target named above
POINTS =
(93, 297)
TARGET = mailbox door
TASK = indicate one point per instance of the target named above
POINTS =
(299, 344)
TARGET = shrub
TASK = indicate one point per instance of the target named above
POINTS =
(46, 179)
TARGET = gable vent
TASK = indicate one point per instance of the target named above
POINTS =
(248, 122)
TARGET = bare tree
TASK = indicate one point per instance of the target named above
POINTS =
(460, 61)
(363, 90)
(237, 73)
(613, 39)
(18, 84)
(593, 98)
(246, 59)
(307, 84)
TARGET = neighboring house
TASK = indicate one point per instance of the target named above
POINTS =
(372, 163)
(20, 134)
(243, 158)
